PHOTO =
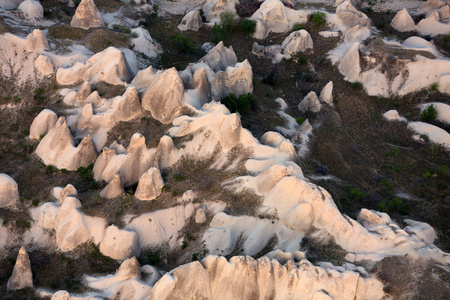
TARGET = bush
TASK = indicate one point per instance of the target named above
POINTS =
(318, 18)
(429, 114)
(228, 21)
(241, 104)
(298, 27)
(248, 26)
(357, 85)
(182, 43)
(300, 120)
(219, 33)
(434, 86)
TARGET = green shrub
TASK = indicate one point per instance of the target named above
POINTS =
(434, 86)
(446, 38)
(219, 33)
(429, 113)
(241, 104)
(318, 18)
(248, 26)
(182, 43)
(298, 27)
(301, 58)
(179, 177)
(357, 85)
(300, 120)
(228, 21)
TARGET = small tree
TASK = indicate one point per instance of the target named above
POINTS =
(182, 43)
(248, 26)
(318, 18)
(429, 113)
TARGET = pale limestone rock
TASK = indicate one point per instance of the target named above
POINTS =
(191, 21)
(276, 140)
(119, 244)
(429, 6)
(143, 79)
(68, 191)
(215, 275)
(129, 269)
(165, 155)
(32, 9)
(37, 41)
(357, 33)
(150, 185)
(369, 218)
(200, 216)
(220, 57)
(83, 92)
(44, 65)
(164, 97)
(87, 16)
(237, 80)
(42, 124)
(114, 188)
(9, 192)
(9, 4)
(207, 46)
(349, 65)
(61, 295)
(58, 148)
(432, 25)
(326, 95)
(198, 90)
(109, 66)
(144, 43)
(310, 103)
(273, 16)
(392, 115)
(21, 276)
(297, 41)
(403, 21)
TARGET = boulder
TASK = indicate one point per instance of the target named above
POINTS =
(150, 185)
(144, 43)
(32, 9)
(129, 269)
(114, 188)
(37, 41)
(310, 103)
(44, 65)
(392, 115)
(61, 295)
(120, 244)
(191, 21)
(219, 57)
(403, 21)
(326, 95)
(143, 79)
(87, 16)
(164, 97)
(297, 41)
(109, 66)
(9, 191)
(42, 124)
(21, 276)
(429, 6)
(57, 148)
(237, 80)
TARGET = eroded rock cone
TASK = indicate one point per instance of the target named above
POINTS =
(87, 16)
(114, 188)
(310, 103)
(120, 244)
(150, 185)
(21, 276)
(9, 192)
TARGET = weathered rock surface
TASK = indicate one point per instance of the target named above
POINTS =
(42, 124)
(32, 9)
(164, 97)
(114, 188)
(87, 16)
(150, 184)
(310, 103)
(120, 244)
(191, 21)
(403, 21)
(9, 191)
(297, 41)
(21, 276)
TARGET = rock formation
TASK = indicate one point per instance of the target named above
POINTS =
(191, 21)
(144, 43)
(310, 103)
(403, 21)
(58, 148)
(21, 276)
(32, 9)
(298, 41)
(87, 16)
(42, 124)
(150, 184)
(114, 188)
(164, 96)
(120, 244)
(326, 95)
(9, 192)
